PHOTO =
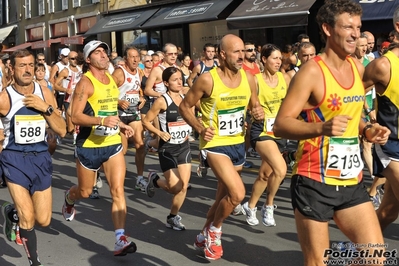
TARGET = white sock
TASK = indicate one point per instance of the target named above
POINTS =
(215, 229)
(118, 233)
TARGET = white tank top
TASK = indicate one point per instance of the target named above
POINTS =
(130, 91)
(65, 82)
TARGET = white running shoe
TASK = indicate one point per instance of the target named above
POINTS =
(267, 215)
(238, 210)
(175, 223)
(149, 187)
(141, 183)
(123, 247)
(251, 214)
(252, 153)
(99, 182)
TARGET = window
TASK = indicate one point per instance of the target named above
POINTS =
(51, 6)
(64, 5)
(76, 3)
(27, 7)
(42, 8)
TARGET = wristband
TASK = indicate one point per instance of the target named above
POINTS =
(102, 121)
(368, 126)
(368, 111)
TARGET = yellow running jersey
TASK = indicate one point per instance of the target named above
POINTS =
(270, 99)
(388, 102)
(103, 103)
(224, 110)
(334, 160)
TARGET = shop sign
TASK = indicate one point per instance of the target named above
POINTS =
(188, 11)
(121, 21)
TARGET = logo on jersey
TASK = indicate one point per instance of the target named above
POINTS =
(335, 102)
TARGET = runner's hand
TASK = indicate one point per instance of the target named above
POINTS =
(35, 102)
(257, 112)
(208, 133)
(127, 130)
(336, 126)
(165, 136)
(377, 134)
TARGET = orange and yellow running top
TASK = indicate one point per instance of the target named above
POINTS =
(225, 110)
(334, 160)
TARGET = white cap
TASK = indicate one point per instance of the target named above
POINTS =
(150, 52)
(65, 51)
(93, 45)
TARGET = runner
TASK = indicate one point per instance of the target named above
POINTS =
(224, 94)
(99, 142)
(317, 111)
(272, 86)
(26, 110)
(174, 148)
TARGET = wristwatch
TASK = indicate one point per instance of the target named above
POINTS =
(49, 110)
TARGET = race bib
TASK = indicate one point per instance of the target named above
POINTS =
(343, 158)
(29, 129)
(179, 132)
(103, 130)
(269, 123)
(133, 97)
(231, 121)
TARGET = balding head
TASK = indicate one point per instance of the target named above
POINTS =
(231, 53)
(370, 41)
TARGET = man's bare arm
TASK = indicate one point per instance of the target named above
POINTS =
(193, 75)
(59, 80)
(152, 78)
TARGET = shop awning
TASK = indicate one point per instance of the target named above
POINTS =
(188, 13)
(4, 32)
(270, 14)
(376, 10)
(77, 39)
(121, 22)
(45, 44)
(17, 47)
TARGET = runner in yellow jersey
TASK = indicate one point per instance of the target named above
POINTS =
(224, 94)
(382, 72)
(272, 86)
(94, 109)
(323, 109)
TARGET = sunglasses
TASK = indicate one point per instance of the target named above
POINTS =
(250, 50)
(170, 54)
(147, 61)
(72, 58)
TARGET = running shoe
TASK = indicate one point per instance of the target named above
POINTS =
(252, 153)
(199, 243)
(147, 139)
(94, 194)
(150, 188)
(202, 171)
(267, 215)
(238, 210)
(9, 227)
(99, 182)
(18, 239)
(175, 223)
(247, 164)
(140, 183)
(213, 246)
(251, 214)
(289, 157)
(123, 247)
(68, 210)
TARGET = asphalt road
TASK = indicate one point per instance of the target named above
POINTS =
(89, 239)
